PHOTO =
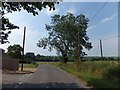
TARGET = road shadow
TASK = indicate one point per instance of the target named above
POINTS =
(17, 72)
(49, 85)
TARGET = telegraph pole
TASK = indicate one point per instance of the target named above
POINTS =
(23, 48)
(79, 57)
(101, 49)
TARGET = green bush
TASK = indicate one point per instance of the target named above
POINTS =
(35, 64)
(112, 72)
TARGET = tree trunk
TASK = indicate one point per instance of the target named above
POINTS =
(65, 58)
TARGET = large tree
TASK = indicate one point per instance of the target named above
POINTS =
(15, 51)
(10, 7)
(67, 34)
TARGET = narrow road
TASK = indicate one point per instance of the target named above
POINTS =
(48, 76)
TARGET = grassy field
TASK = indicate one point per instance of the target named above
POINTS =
(29, 65)
(96, 73)
(46, 62)
(34, 65)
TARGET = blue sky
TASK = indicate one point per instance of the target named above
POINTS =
(104, 26)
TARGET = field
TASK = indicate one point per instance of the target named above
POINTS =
(99, 74)
(28, 65)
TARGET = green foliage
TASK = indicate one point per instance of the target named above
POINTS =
(46, 58)
(97, 58)
(106, 70)
(30, 56)
(10, 7)
(36, 64)
(6, 25)
(63, 35)
(112, 72)
(15, 51)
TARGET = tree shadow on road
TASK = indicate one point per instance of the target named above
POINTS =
(49, 85)
(17, 72)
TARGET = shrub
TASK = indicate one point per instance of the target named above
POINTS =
(112, 72)
(36, 64)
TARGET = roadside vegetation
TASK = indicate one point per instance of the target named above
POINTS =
(28, 68)
(31, 65)
(99, 74)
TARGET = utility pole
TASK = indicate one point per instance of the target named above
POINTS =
(23, 48)
(101, 49)
(79, 57)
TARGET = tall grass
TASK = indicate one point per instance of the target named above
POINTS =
(97, 73)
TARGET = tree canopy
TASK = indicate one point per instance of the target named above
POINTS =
(10, 7)
(30, 56)
(66, 32)
(15, 51)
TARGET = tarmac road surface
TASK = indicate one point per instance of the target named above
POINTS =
(45, 76)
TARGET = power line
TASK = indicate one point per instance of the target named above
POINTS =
(111, 37)
(107, 38)
(100, 9)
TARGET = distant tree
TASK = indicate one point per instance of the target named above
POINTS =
(37, 57)
(64, 33)
(10, 7)
(30, 56)
(15, 51)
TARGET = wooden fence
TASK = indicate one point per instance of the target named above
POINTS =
(9, 63)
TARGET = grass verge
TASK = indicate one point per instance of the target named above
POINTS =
(92, 78)
(32, 65)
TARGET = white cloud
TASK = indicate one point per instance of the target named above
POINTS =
(51, 12)
(71, 10)
(15, 38)
(102, 21)
(109, 46)
(0, 16)
(32, 37)
(91, 27)
(108, 18)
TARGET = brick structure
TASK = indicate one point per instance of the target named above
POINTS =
(9, 63)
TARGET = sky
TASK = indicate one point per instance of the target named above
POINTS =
(103, 26)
